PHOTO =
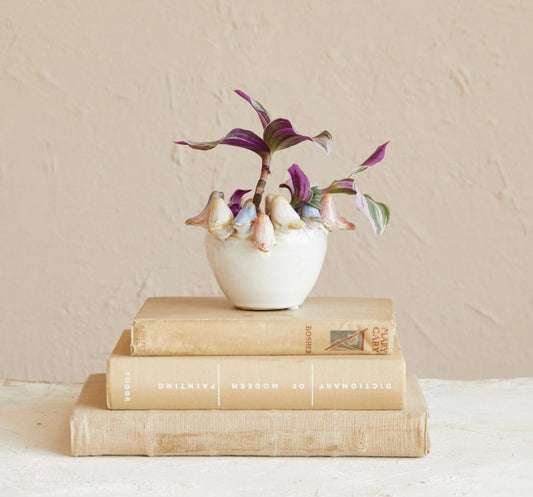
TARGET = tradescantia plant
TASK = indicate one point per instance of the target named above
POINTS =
(277, 135)
(304, 196)
(310, 205)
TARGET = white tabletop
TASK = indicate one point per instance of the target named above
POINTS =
(481, 444)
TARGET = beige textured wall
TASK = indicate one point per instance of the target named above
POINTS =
(94, 194)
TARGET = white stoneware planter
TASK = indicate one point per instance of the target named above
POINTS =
(279, 279)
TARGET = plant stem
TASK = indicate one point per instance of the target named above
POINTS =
(260, 188)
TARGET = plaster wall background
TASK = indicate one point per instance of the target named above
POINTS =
(93, 194)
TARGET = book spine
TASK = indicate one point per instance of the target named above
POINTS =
(278, 382)
(249, 433)
(240, 337)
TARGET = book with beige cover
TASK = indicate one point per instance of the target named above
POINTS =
(96, 430)
(255, 382)
(212, 326)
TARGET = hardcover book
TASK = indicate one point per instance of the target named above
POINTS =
(96, 430)
(212, 326)
(255, 382)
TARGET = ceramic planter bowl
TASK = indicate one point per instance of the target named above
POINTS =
(279, 279)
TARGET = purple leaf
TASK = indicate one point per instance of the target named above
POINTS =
(298, 185)
(235, 200)
(237, 137)
(377, 156)
(346, 185)
(280, 134)
(261, 111)
(288, 184)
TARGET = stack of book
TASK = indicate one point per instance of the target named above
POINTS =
(195, 376)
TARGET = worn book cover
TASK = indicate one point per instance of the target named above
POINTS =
(212, 326)
(96, 430)
(255, 382)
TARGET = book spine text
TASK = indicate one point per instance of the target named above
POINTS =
(277, 382)
(239, 337)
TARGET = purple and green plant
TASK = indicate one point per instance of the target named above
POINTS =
(303, 194)
(279, 134)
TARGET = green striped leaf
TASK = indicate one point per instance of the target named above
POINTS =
(377, 213)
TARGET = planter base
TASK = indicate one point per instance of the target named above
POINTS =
(279, 279)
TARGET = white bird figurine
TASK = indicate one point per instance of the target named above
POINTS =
(263, 232)
(221, 219)
(309, 214)
(268, 203)
(332, 220)
(283, 216)
(202, 219)
(216, 217)
(245, 219)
